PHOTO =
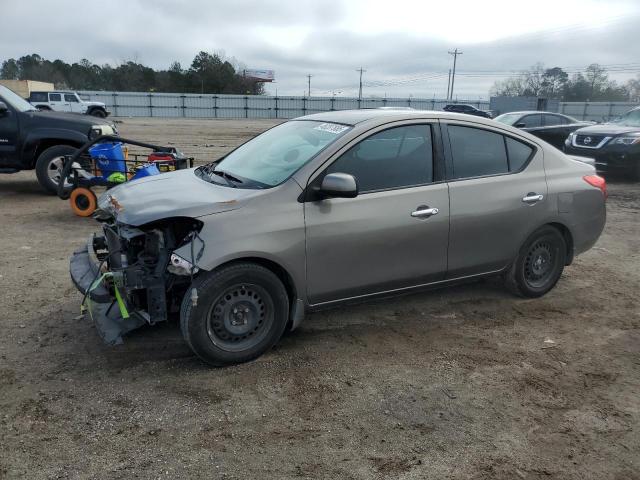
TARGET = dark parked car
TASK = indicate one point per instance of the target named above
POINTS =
(31, 139)
(468, 109)
(553, 128)
(614, 146)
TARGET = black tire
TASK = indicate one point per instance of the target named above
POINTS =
(539, 264)
(47, 165)
(97, 112)
(242, 311)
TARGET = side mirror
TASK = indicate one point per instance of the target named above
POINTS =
(3, 108)
(339, 185)
(520, 125)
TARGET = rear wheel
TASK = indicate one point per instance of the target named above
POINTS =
(49, 167)
(539, 264)
(241, 312)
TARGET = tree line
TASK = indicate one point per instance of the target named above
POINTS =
(591, 85)
(208, 73)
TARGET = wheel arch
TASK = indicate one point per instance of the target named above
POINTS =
(37, 143)
(568, 238)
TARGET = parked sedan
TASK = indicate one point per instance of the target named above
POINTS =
(468, 109)
(614, 147)
(551, 127)
(332, 208)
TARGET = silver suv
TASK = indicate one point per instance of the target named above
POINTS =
(331, 208)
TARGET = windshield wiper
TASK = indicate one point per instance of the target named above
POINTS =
(227, 176)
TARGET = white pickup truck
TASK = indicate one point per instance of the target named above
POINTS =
(61, 101)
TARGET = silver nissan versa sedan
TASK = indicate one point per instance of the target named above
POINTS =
(330, 208)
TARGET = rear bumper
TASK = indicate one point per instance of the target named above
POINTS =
(101, 304)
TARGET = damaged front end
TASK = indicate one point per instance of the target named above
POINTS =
(131, 277)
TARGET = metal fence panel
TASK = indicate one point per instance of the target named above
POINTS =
(595, 111)
(190, 105)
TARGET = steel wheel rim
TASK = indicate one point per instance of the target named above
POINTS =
(54, 171)
(540, 264)
(240, 318)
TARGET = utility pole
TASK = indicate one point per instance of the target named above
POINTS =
(361, 70)
(309, 80)
(455, 54)
(448, 84)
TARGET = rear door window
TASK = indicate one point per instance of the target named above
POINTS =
(551, 120)
(531, 121)
(55, 97)
(477, 152)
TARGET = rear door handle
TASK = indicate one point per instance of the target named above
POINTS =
(532, 198)
(424, 212)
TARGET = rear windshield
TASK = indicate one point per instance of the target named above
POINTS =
(508, 118)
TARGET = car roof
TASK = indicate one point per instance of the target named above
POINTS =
(529, 112)
(373, 115)
(53, 91)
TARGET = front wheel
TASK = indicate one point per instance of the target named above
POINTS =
(98, 113)
(539, 264)
(241, 312)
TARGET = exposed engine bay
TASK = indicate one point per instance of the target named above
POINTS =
(131, 275)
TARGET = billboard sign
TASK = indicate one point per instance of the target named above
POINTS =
(260, 75)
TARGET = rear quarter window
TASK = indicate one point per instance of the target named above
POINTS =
(519, 153)
(38, 97)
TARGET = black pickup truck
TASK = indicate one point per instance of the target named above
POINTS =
(30, 139)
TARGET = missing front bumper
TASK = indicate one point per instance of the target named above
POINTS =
(101, 305)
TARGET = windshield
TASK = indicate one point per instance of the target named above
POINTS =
(629, 119)
(508, 118)
(272, 157)
(15, 100)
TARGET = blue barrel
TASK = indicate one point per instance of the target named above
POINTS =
(109, 158)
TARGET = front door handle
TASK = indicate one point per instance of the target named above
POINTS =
(424, 212)
(532, 198)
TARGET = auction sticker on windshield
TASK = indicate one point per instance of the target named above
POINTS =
(331, 128)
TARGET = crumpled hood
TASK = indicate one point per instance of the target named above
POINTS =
(609, 129)
(175, 194)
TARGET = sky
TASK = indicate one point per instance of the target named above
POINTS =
(403, 45)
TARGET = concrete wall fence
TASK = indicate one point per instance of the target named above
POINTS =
(142, 104)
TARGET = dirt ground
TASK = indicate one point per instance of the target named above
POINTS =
(452, 384)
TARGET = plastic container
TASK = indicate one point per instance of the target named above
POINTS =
(146, 170)
(109, 158)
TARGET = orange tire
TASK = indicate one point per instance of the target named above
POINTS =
(83, 201)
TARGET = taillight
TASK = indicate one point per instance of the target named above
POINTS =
(598, 182)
